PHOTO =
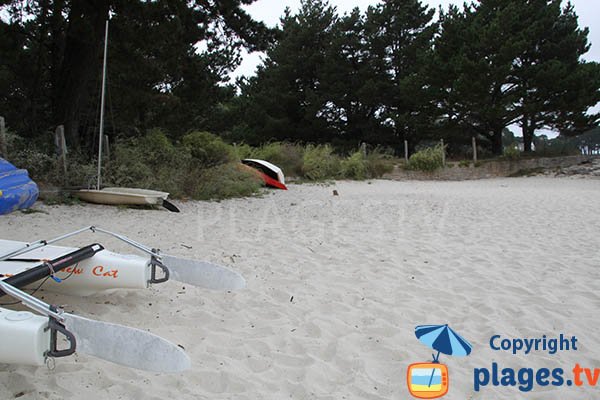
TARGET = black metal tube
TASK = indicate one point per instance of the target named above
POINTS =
(44, 270)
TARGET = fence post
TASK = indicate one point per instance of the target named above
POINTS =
(443, 153)
(406, 150)
(61, 149)
(363, 149)
(474, 149)
(3, 139)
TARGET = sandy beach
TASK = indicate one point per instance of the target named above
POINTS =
(336, 286)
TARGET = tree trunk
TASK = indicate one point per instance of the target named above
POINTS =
(496, 139)
(528, 130)
(81, 62)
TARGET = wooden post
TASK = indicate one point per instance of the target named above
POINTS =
(443, 153)
(61, 149)
(474, 149)
(406, 150)
(363, 149)
(3, 139)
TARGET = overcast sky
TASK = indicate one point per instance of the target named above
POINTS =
(269, 11)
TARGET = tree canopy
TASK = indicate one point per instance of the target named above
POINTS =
(168, 62)
(391, 73)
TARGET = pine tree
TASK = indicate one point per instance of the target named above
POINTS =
(473, 63)
(556, 86)
(285, 101)
(155, 62)
(398, 36)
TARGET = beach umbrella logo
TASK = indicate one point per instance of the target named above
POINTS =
(430, 380)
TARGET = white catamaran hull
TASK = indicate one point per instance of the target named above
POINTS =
(105, 270)
(25, 338)
(31, 340)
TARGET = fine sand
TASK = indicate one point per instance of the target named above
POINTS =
(336, 286)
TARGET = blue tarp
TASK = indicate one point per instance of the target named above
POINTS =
(17, 190)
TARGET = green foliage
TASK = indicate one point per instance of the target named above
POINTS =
(207, 149)
(464, 163)
(48, 170)
(58, 197)
(379, 76)
(288, 156)
(155, 147)
(202, 167)
(560, 146)
(379, 162)
(243, 150)
(376, 163)
(284, 100)
(149, 162)
(162, 78)
(320, 163)
(39, 165)
(355, 166)
(526, 69)
(428, 159)
(527, 172)
(512, 153)
(226, 181)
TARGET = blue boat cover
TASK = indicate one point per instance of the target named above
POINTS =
(17, 190)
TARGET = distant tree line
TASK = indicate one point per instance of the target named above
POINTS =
(395, 72)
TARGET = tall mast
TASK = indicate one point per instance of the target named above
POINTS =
(102, 108)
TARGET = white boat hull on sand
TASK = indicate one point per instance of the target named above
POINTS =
(105, 270)
(122, 196)
(25, 338)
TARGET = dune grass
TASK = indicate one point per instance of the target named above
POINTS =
(199, 166)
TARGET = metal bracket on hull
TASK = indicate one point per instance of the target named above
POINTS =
(155, 263)
(55, 328)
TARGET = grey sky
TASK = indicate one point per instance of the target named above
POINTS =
(269, 11)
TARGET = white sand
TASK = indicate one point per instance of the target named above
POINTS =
(514, 257)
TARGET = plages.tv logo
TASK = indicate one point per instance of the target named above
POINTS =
(430, 380)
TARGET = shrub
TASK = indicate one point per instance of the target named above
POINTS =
(288, 156)
(243, 150)
(39, 165)
(560, 146)
(208, 149)
(47, 170)
(149, 162)
(154, 148)
(512, 153)
(320, 163)
(81, 170)
(355, 166)
(379, 162)
(225, 181)
(427, 160)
